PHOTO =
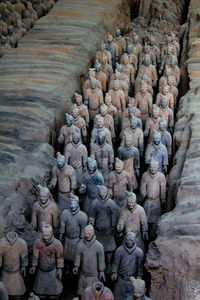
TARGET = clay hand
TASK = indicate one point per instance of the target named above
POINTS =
(23, 271)
(75, 270)
(102, 276)
(110, 167)
(163, 202)
(114, 276)
(119, 228)
(32, 270)
(165, 169)
(59, 274)
(145, 236)
(82, 189)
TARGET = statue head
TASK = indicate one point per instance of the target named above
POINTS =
(143, 87)
(147, 60)
(116, 85)
(60, 160)
(93, 83)
(169, 49)
(134, 122)
(162, 125)
(103, 46)
(98, 67)
(174, 61)
(10, 29)
(103, 110)
(69, 120)
(131, 101)
(91, 73)
(153, 166)
(75, 112)
(78, 99)
(131, 200)
(101, 138)
(76, 137)
(171, 80)
(47, 232)
(104, 60)
(89, 233)
(155, 111)
(118, 32)
(119, 67)
(173, 36)
(117, 75)
(167, 71)
(128, 140)
(164, 101)
(130, 240)
(92, 165)
(139, 289)
(74, 202)
(129, 48)
(135, 38)
(108, 99)
(110, 38)
(100, 123)
(103, 192)
(156, 137)
(44, 194)
(146, 49)
(125, 59)
(119, 165)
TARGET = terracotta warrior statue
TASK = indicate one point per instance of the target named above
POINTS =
(47, 263)
(121, 42)
(147, 50)
(90, 259)
(149, 69)
(112, 47)
(45, 210)
(152, 123)
(112, 110)
(126, 121)
(104, 155)
(133, 218)
(153, 190)
(108, 119)
(166, 137)
(137, 47)
(94, 97)
(106, 68)
(103, 52)
(100, 127)
(91, 179)
(79, 122)
(65, 134)
(13, 263)
(158, 151)
(132, 57)
(76, 155)
(97, 291)
(4, 293)
(128, 261)
(83, 110)
(87, 82)
(166, 113)
(131, 159)
(64, 176)
(144, 102)
(165, 92)
(139, 289)
(119, 181)
(72, 224)
(128, 69)
(101, 76)
(103, 216)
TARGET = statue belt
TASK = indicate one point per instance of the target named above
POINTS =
(74, 235)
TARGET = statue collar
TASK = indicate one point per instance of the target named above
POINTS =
(49, 242)
(75, 212)
(130, 250)
(11, 237)
(76, 145)
(45, 204)
(97, 289)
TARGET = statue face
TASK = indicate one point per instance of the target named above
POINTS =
(104, 60)
(79, 100)
(162, 126)
(75, 113)
(43, 197)
(110, 38)
(98, 67)
(138, 294)
(147, 61)
(131, 203)
(128, 141)
(69, 122)
(134, 123)
(130, 240)
(103, 47)
(108, 100)
(118, 168)
(135, 39)
(156, 139)
(143, 88)
(146, 50)
(103, 111)
(88, 234)
(129, 49)
(103, 192)
(60, 163)
(155, 113)
(47, 234)
(118, 32)
(125, 60)
(74, 205)
(116, 85)
(100, 123)
(153, 168)
(164, 102)
(76, 138)
(93, 85)
(92, 167)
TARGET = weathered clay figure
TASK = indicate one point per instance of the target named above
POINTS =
(65, 134)
(47, 262)
(128, 261)
(166, 45)
(100, 127)
(108, 119)
(153, 190)
(64, 176)
(121, 42)
(175, 43)
(72, 224)
(137, 47)
(139, 289)
(104, 155)
(95, 98)
(90, 259)
(150, 53)
(97, 291)
(33, 297)
(3, 292)
(119, 181)
(101, 76)
(131, 159)
(166, 112)
(112, 110)
(137, 135)
(44, 210)
(144, 102)
(122, 83)
(132, 57)
(152, 123)
(87, 82)
(91, 179)
(146, 79)
(123, 76)
(103, 52)
(132, 218)
(106, 68)
(164, 79)
(136, 111)
(76, 156)
(79, 122)
(166, 137)
(13, 263)
(148, 69)
(103, 216)
(126, 122)
(171, 81)
(112, 47)
(165, 92)
(83, 110)
(175, 70)
(154, 48)
(127, 68)
(166, 58)
(158, 151)
(118, 99)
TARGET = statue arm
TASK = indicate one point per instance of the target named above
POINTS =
(143, 187)
(123, 101)
(129, 183)
(24, 255)
(59, 256)
(36, 253)
(140, 264)
(53, 180)
(34, 218)
(73, 180)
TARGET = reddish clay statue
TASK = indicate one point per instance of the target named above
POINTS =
(48, 261)
(79, 122)
(100, 127)
(72, 224)
(148, 69)
(97, 291)
(128, 261)
(166, 137)
(119, 181)
(132, 218)
(83, 110)
(87, 83)
(166, 112)
(103, 52)
(65, 176)
(121, 42)
(144, 102)
(108, 119)
(152, 123)
(14, 260)
(165, 92)
(90, 259)
(44, 210)
(101, 76)
(106, 68)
